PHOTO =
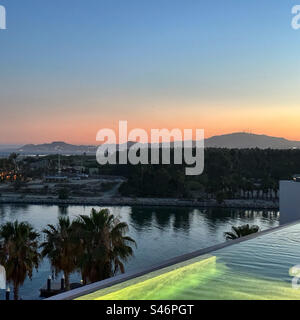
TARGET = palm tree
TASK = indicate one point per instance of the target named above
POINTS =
(18, 252)
(242, 231)
(60, 248)
(104, 245)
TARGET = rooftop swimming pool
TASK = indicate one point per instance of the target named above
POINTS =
(258, 268)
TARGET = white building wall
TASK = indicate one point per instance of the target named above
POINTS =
(289, 201)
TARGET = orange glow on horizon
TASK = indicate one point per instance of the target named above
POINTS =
(81, 128)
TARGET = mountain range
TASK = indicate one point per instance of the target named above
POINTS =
(242, 140)
(239, 140)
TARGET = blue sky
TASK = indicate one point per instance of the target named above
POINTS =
(69, 68)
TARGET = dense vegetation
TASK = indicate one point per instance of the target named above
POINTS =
(228, 173)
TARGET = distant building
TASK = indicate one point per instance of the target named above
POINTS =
(55, 179)
(289, 200)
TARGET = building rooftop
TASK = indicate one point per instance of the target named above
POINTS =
(261, 266)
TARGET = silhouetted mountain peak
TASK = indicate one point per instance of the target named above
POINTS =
(243, 140)
(236, 140)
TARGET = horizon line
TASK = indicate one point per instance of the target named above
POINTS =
(90, 144)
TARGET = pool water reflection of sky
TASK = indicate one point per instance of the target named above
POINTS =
(256, 269)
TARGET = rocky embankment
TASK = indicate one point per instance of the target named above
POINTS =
(120, 201)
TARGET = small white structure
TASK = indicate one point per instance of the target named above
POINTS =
(2, 18)
(289, 200)
(2, 278)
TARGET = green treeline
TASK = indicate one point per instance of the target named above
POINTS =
(228, 173)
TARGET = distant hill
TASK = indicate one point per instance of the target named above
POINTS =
(241, 140)
(56, 147)
(238, 140)
(59, 147)
(7, 149)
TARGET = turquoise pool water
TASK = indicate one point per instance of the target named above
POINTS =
(161, 232)
(255, 269)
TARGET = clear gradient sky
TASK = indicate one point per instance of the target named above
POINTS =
(69, 68)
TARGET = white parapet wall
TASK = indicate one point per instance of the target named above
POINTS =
(289, 201)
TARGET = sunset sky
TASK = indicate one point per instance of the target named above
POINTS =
(69, 68)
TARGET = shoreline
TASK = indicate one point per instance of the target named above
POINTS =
(146, 202)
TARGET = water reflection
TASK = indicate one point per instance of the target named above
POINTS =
(63, 210)
(181, 218)
(160, 232)
(141, 217)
